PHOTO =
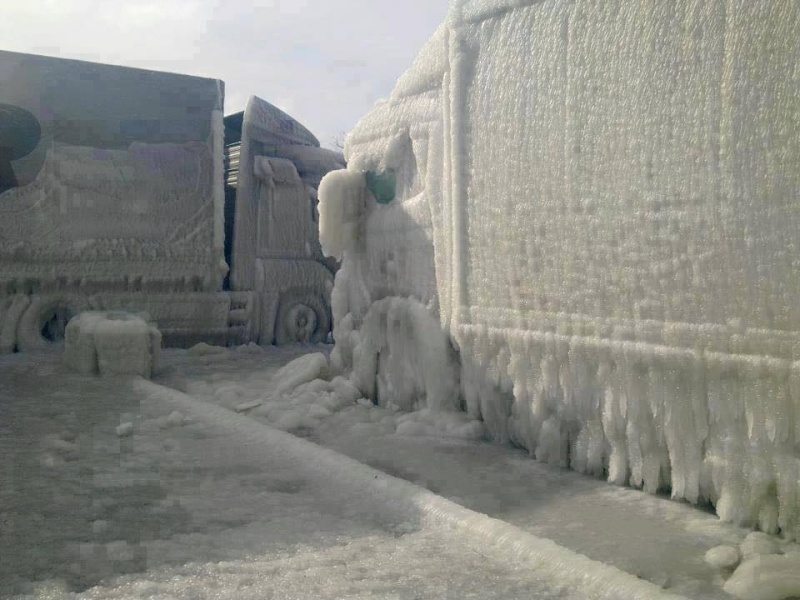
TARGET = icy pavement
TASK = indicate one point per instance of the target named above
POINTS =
(118, 488)
(654, 538)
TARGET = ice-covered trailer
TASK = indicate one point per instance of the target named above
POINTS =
(124, 188)
(598, 202)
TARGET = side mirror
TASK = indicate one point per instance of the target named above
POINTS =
(382, 185)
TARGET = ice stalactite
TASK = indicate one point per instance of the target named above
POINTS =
(705, 426)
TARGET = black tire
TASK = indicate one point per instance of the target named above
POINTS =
(302, 317)
(45, 319)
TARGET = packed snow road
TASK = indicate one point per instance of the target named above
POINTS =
(121, 488)
(653, 538)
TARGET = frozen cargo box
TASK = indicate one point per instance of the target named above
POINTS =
(111, 194)
(113, 188)
(598, 202)
(120, 183)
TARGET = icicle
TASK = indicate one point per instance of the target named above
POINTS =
(614, 426)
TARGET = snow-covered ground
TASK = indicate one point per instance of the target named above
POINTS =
(120, 488)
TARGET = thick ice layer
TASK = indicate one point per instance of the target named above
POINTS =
(312, 163)
(273, 208)
(123, 178)
(145, 211)
(112, 343)
(766, 578)
(301, 370)
(389, 499)
(342, 197)
(611, 209)
(403, 358)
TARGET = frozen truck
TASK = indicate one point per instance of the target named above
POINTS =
(594, 206)
(127, 189)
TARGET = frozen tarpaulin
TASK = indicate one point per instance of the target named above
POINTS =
(121, 178)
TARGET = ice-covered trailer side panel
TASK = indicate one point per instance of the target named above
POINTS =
(111, 195)
(613, 222)
(111, 173)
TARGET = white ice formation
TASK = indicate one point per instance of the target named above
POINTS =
(766, 577)
(596, 204)
(112, 343)
(301, 370)
(758, 544)
(722, 557)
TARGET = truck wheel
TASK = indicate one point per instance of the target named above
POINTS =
(302, 318)
(45, 320)
(12, 313)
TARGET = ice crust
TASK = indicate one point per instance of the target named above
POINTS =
(339, 214)
(146, 211)
(414, 362)
(112, 343)
(769, 577)
(722, 557)
(301, 370)
(597, 202)
(388, 499)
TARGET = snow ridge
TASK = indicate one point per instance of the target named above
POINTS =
(391, 498)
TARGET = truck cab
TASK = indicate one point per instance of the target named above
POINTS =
(271, 244)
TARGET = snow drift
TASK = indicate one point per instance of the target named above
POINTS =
(597, 203)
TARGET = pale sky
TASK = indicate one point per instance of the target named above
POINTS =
(325, 62)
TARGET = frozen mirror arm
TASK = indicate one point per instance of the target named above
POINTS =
(342, 206)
